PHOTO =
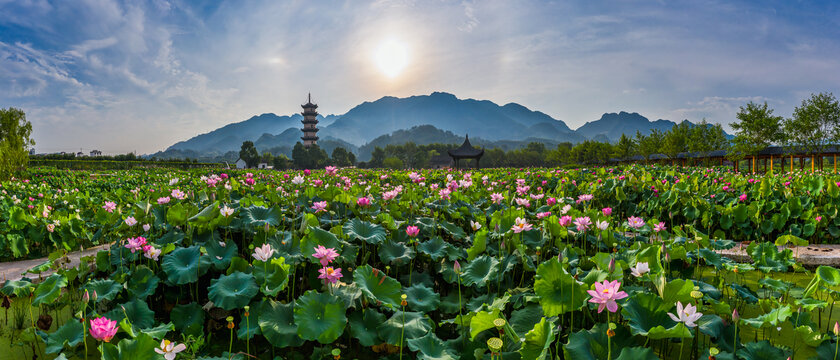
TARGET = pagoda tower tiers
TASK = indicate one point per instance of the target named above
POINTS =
(310, 122)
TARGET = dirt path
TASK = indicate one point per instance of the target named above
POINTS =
(17, 269)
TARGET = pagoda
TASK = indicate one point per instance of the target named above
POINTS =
(466, 151)
(310, 120)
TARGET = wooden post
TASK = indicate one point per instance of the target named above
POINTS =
(812, 163)
(835, 163)
(791, 163)
(753, 165)
(771, 163)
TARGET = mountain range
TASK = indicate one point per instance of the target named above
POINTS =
(438, 117)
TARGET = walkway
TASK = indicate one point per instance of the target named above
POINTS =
(16, 270)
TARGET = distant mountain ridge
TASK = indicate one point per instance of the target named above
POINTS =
(437, 117)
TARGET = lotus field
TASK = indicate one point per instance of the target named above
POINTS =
(603, 263)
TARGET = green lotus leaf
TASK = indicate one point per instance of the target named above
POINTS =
(480, 271)
(767, 257)
(363, 325)
(220, 256)
(648, 316)
(435, 247)
(678, 290)
(538, 341)
(232, 291)
(395, 253)
(592, 344)
(770, 319)
(71, 333)
(559, 293)
(184, 265)
(20, 288)
(159, 332)
(745, 293)
(272, 276)
(455, 231)
(422, 298)
(760, 350)
(524, 319)
(377, 287)
(479, 244)
(319, 316)
(287, 246)
(637, 353)
(711, 325)
(142, 282)
(825, 350)
(430, 347)
(139, 314)
(481, 321)
(176, 215)
(206, 215)
(365, 231)
(411, 325)
(188, 319)
(277, 324)
(49, 290)
(258, 216)
(141, 347)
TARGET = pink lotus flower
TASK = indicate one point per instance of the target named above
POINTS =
(103, 329)
(319, 206)
(551, 201)
(250, 181)
(635, 222)
(325, 255)
(163, 200)
(130, 221)
(135, 244)
(226, 211)
(412, 231)
(687, 315)
(585, 197)
(605, 295)
(602, 225)
(523, 202)
(330, 274)
(565, 220)
(307, 172)
(50, 227)
(330, 170)
(818, 218)
(543, 214)
(109, 206)
(363, 202)
(146, 227)
(582, 223)
(659, 227)
(606, 211)
(263, 253)
(150, 252)
(521, 225)
(743, 197)
(496, 198)
(169, 349)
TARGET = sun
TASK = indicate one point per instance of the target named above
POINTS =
(391, 57)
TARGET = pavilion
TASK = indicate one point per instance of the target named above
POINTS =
(466, 151)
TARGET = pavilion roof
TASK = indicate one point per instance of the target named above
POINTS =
(466, 150)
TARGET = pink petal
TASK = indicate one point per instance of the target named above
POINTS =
(612, 306)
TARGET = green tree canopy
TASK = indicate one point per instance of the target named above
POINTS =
(249, 154)
(815, 123)
(756, 129)
(15, 139)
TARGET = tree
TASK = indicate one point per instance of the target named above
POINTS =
(705, 138)
(311, 157)
(624, 148)
(393, 163)
(377, 158)
(675, 141)
(755, 129)
(15, 139)
(248, 153)
(342, 157)
(650, 144)
(815, 124)
(280, 162)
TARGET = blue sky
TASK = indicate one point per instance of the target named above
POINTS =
(125, 76)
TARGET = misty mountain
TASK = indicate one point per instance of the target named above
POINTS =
(612, 125)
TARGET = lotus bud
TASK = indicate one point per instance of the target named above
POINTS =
(457, 267)
(836, 328)
(611, 267)
(560, 258)
(735, 316)
(93, 296)
(86, 297)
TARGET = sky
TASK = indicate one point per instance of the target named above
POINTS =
(122, 76)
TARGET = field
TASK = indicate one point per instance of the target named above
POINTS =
(599, 263)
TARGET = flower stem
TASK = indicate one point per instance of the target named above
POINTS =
(609, 338)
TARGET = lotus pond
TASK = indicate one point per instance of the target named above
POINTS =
(605, 263)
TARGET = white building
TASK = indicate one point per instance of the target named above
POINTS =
(95, 153)
(240, 164)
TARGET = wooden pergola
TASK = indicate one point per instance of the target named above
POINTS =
(785, 156)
